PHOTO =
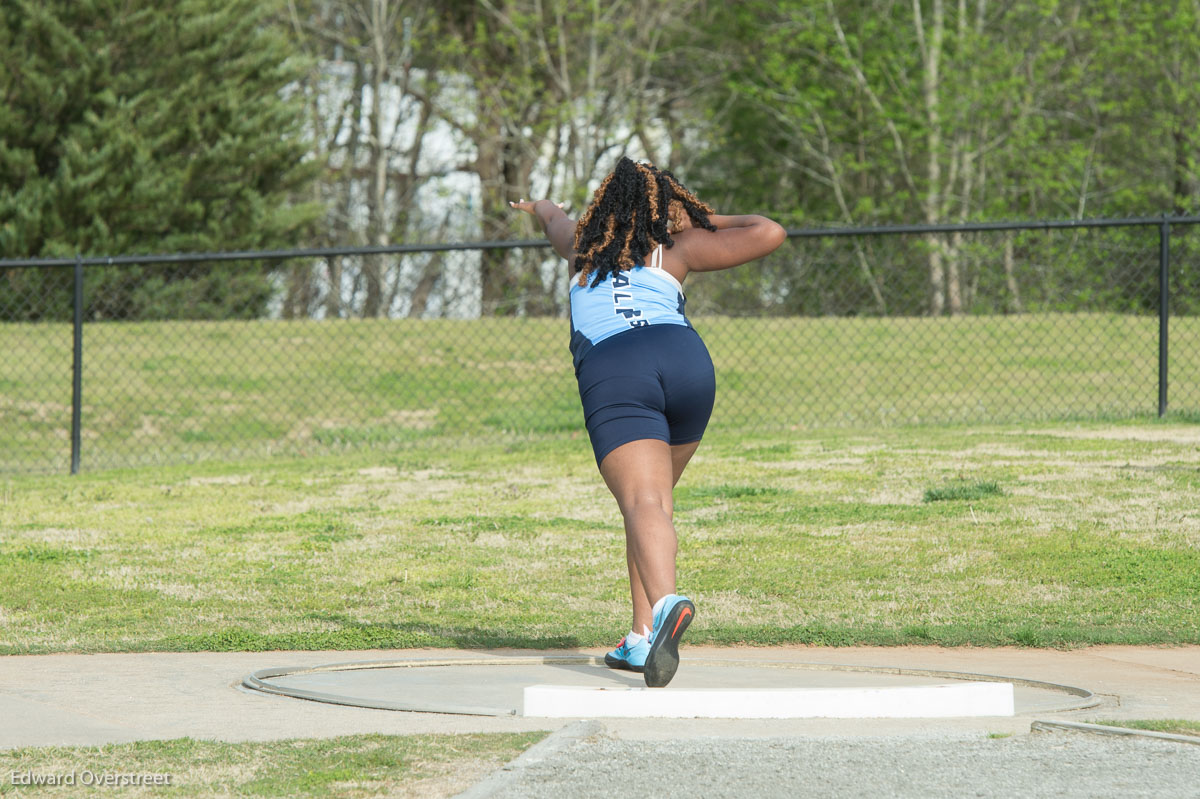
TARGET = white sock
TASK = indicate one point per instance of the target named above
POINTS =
(633, 639)
(658, 606)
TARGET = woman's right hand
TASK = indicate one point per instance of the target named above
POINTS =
(530, 206)
(558, 228)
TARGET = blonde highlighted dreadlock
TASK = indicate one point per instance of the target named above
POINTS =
(629, 216)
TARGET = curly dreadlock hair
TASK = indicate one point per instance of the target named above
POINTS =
(631, 214)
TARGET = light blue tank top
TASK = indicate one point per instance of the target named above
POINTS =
(625, 300)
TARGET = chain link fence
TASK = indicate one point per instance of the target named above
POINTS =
(180, 358)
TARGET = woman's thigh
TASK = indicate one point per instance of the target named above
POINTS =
(640, 471)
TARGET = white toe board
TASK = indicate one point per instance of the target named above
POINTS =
(953, 700)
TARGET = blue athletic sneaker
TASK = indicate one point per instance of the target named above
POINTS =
(627, 656)
(670, 623)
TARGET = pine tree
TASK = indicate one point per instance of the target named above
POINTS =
(147, 126)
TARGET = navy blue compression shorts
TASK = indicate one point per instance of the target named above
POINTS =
(649, 382)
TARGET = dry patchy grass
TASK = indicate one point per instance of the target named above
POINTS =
(821, 537)
(350, 766)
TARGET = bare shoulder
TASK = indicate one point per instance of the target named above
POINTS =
(674, 261)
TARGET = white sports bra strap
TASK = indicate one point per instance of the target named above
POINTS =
(656, 258)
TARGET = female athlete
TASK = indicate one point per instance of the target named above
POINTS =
(645, 377)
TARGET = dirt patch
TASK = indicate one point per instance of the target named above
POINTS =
(42, 411)
(223, 479)
(422, 419)
(388, 488)
(455, 778)
(66, 535)
(148, 429)
(380, 472)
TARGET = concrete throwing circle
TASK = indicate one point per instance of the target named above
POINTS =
(570, 686)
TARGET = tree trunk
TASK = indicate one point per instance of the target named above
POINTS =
(1180, 170)
(496, 282)
(954, 277)
(342, 216)
(937, 276)
(931, 57)
(297, 296)
(377, 234)
(1010, 277)
(424, 288)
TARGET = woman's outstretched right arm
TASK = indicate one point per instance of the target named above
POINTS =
(558, 227)
(737, 240)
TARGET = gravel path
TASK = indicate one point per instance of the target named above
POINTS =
(1040, 764)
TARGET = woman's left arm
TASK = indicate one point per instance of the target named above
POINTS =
(557, 226)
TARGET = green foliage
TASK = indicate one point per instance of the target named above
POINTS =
(133, 127)
(1061, 108)
(845, 113)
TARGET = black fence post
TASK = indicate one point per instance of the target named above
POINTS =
(77, 367)
(1164, 280)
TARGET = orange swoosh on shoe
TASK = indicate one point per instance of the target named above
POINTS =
(687, 611)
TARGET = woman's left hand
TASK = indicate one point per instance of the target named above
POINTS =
(678, 219)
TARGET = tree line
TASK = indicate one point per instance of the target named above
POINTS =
(193, 125)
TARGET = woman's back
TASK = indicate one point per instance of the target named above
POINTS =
(624, 300)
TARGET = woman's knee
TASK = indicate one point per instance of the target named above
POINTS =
(642, 502)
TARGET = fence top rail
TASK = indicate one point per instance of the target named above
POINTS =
(267, 255)
(397, 249)
(982, 227)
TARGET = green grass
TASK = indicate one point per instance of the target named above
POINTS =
(349, 766)
(962, 490)
(172, 392)
(1173, 726)
(1091, 536)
